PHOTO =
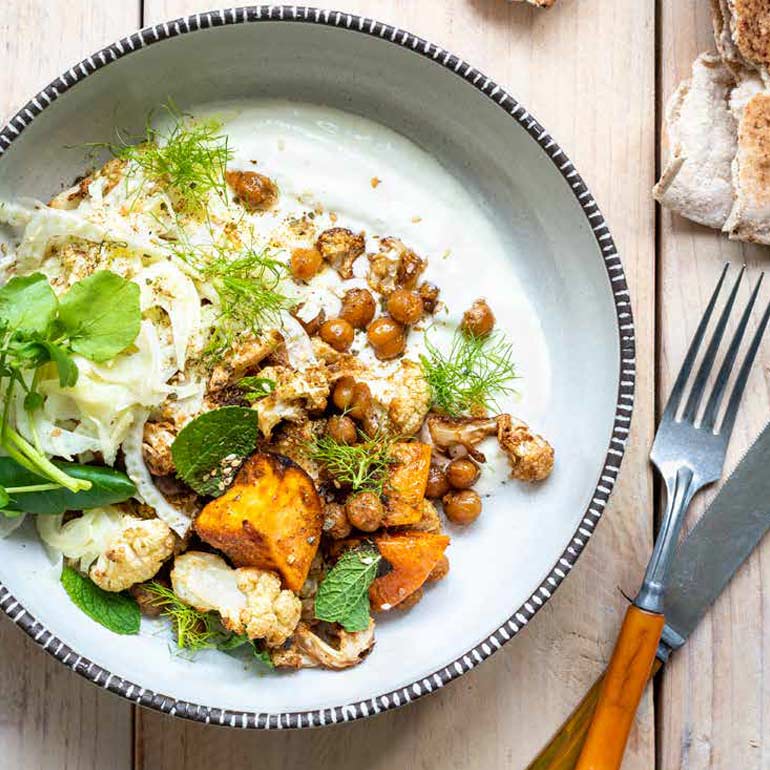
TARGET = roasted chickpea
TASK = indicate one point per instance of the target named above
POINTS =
(342, 396)
(405, 306)
(462, 473)
(438, 485)
(365, 511)
(387, 337)
(255, 192)
(338, 333)
(336, 523)
(478, 319)
(361, 403)
(305, 263)
(462, 506)
(440, 571)
(358, 308)
(342, 429)
(410, 601)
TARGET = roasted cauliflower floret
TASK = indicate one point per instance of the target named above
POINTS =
(249, 600)
(295, 394)
(410, 400)
(394, 266)
(530, 456)
(246, 356)
(111, 173)
(307, 650)
(293, 440)
(156, 447)
(134, 554)
(255, 192)
(341, 247)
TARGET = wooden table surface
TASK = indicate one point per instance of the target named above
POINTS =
(596, 73)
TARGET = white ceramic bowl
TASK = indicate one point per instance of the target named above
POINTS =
(506, 567)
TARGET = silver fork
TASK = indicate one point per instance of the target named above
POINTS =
(689, 452)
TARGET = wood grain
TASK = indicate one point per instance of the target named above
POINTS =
(715, 699)
(51, 718)
(600, 109)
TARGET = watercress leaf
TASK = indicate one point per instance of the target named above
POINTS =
(4, 497)
(232, 642)
(66, 366)
(33, 400)
(27, 303)
(117, 612)
(263, 656)
(101, 315)
(343, 596)
(203, 444)
(108, 487)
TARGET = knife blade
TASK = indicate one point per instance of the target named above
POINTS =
(705, 561)
(720, 541)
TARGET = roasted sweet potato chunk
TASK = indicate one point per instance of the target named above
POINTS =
(271, 518)
(412, 557)
(405, 488)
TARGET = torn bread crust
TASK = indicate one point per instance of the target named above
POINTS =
(697, 180)
(742, 34)
(749, 219)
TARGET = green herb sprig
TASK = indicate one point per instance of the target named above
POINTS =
(343, 596)
(471, 376)
(362, 467)
(98, 318)
(256, 388)
(189, 159)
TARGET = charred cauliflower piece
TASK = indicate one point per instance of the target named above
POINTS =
(293, 440)
(410, 399)
(307, 650)
(134, 554)
(111, 172)
(156, 447)
(341, 247)
(395, 266)
(246, 356)
(255, 192)
(295, 394)
(530, 456)
(249, 601)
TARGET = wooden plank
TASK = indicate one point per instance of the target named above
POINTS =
(714, 697)
(51, 717)
(600, 107)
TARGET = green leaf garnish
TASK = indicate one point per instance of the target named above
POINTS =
(27, 303)
(362, 467)
(108, 487)
(115, 611)
(100, 315)
(255, 388)
(343, 596)
(209, 449)
(471, 376)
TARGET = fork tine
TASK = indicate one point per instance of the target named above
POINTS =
(684, 373)
(698, 387)
(743, 375)
(715, 399)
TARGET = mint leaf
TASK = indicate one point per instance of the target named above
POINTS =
(202, 446)
(28, 304)
(101, 315)
(117, 612)
(343, 596)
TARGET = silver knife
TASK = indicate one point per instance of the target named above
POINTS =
(718, 544)
(721, 540)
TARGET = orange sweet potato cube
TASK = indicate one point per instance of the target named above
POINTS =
(405, 487)
(271, 518)
(412, 557)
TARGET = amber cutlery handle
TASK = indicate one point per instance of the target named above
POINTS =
(562, 751)
(627, 674)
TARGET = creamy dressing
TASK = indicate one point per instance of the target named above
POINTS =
(361, 175)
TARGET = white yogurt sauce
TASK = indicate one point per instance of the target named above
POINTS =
(328, 158)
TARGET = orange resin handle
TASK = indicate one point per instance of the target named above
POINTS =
(621, 691)
(563, 749)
